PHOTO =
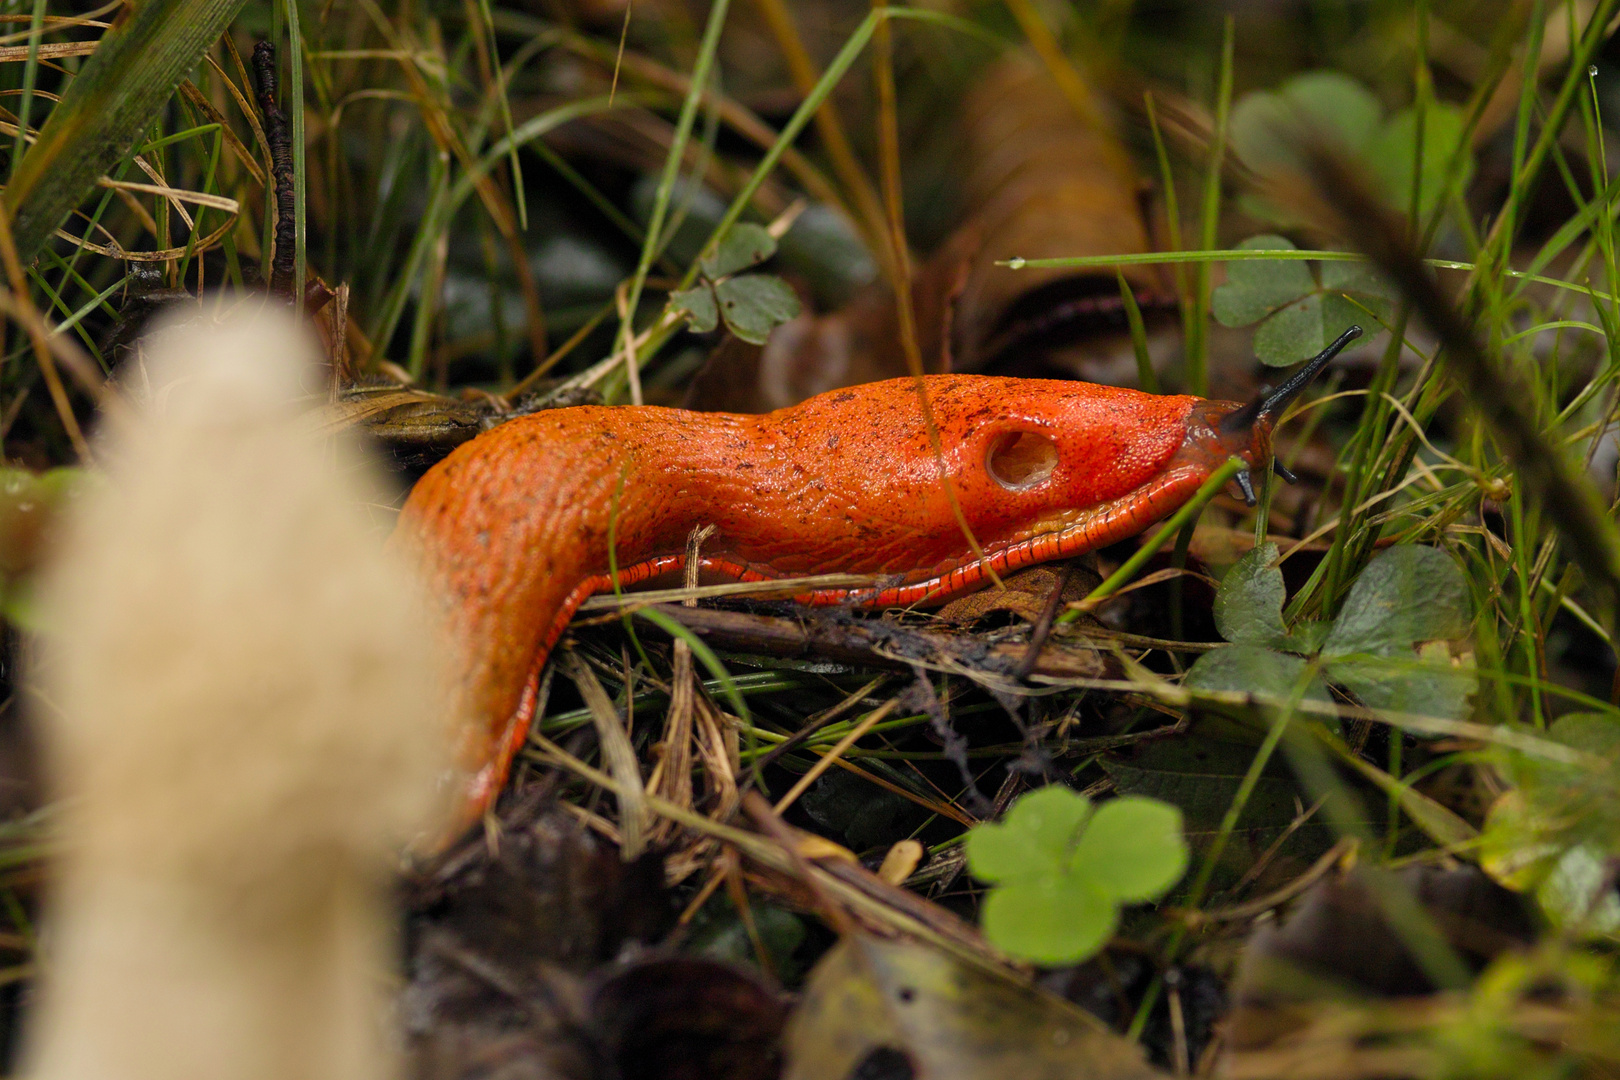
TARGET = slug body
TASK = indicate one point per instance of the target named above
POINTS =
(515, 528)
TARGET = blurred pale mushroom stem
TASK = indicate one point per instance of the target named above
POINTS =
(246, 721)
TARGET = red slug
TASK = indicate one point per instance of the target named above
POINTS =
(513, 527)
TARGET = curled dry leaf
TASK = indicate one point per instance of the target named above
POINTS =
(1027, 593)
(415, 425)
(1046, 182)
(418, 427)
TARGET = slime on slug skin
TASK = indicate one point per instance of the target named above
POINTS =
(512, 529)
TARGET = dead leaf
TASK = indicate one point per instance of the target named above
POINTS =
(1044, 182)
(871, 1003)
(503, 947)
(416, 426)
(1025, 595)
(689, 1018)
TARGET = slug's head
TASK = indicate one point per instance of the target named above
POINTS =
(1039, 469)
(1222, 429)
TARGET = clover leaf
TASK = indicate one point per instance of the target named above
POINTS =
(1427, 686)
(1249, 603)
(1251, 669)
(1554, 833)
(1328, 104)
(1406, 595)
(1393, 155)
(699, 304)
(755, 305)
(1061, 869)
(1299, 311)
(1268, 128)
(1133, 848)
(752, 306)
(745, 245)
(1386, 646)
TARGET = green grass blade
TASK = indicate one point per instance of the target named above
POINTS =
(666, 181)
(120, 92)
(25, 108)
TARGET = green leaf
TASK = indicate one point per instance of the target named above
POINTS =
(1034, 838)
(1303, 329)
(1339, 105)
(1407, 594)
(1200, 773)
(702, 312)
(755, 305)
(1355, 277)
(1291, 332)
(1250, 669)
(1579, 894)
(1556, 807)
(1595, 732)
(1299, 314)
(1265, 125)
(1267, 128)
(1249, 602)
(1132, 849)
(1392, 155)
(113, 101)
(1055, 920)
(1255, 289)
(745, 245)
(1060, 874)
(1307, 636)
(1411, 686)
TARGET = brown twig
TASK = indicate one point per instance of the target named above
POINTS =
(834, 913)
(1043, 625)
(278, 135)
(878, 643)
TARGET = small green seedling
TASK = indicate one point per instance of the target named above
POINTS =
(1386, 646)
(1062, 868)
(752, 305)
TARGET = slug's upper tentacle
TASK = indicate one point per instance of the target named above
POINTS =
(1265, 410)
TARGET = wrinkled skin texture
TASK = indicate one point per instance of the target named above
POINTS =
(513, 528)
